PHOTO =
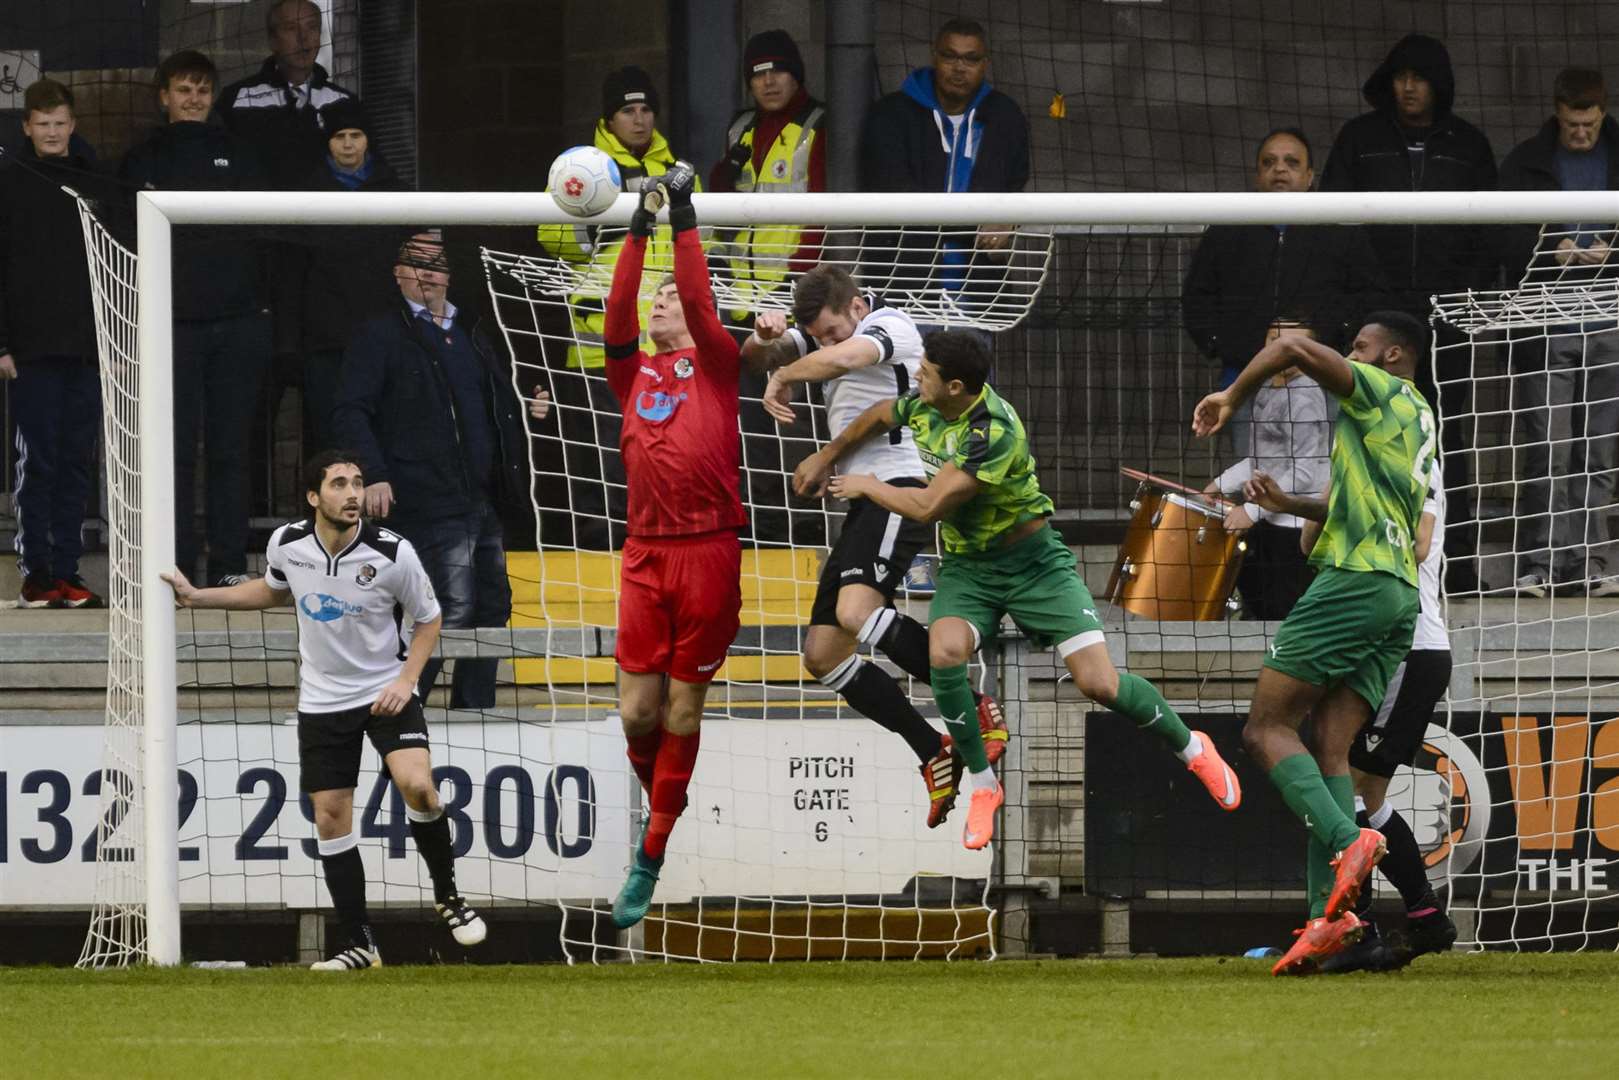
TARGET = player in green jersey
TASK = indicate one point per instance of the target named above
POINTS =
(1000, 558)
(1337, 649)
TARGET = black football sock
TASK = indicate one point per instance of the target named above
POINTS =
(874, 694)
(345, 880)
(901, 638)
(1403, 864)
(431, 831)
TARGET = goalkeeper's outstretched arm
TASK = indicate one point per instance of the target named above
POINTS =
(254, 595)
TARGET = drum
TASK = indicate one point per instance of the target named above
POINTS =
(1177, 562)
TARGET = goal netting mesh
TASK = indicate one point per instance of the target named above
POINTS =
(805, 835)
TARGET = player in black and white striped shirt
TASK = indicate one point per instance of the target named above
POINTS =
(367, 624)
(862, 352)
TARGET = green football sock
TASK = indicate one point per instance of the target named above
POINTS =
(954, 695)
(1140, 701)
(1305, 791)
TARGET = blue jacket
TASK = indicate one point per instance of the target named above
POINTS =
(395, 410)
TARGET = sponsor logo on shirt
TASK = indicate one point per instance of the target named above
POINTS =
(367, 576)
(655, 406)
(652, 372)
(323, 608)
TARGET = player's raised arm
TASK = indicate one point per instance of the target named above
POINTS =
(1326, 365)
(716, 348)
(621, 327)
(254, 595)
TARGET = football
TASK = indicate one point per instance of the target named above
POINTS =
(584, 181)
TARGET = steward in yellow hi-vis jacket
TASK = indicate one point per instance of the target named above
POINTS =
(627, 132)
(779, 145)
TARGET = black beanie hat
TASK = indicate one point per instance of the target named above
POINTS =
(772, 49)
(628, 86)
(340, 115)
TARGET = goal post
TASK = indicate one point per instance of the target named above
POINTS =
(158, 213)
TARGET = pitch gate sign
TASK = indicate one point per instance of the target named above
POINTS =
(538, 812)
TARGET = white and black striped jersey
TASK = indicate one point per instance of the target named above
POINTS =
(356, 610)
(899, 355)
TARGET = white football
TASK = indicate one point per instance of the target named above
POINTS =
(584, 181)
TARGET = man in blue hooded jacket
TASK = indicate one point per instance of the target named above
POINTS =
(946, 129)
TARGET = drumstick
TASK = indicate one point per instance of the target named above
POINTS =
(1170, 485)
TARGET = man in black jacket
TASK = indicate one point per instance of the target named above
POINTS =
(430, 411)
(48, 346)
(1412, 141)
(1244, 278)
(1568, 471)
(946, 129)
(221, 325)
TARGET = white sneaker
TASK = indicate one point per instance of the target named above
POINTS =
(466, 925)
(1533, 585)
(353, 958)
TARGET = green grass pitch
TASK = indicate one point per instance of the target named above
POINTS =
(1533, 1017)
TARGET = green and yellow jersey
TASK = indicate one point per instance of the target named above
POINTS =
(987, 442)
(1382, 464)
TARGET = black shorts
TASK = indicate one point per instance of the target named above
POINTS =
(1392, 737)
(329, 743)
(875, 548)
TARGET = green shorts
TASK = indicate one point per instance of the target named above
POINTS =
(1036, 581)
(1350, 627)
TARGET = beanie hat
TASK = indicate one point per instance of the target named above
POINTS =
(772, 50)
(628, 86)
(344, 114)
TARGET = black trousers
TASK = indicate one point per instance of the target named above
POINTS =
(1274, 572)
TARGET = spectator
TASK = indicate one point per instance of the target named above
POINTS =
(348, 279)
(48, 347)
(278, 109)
(1412, 141)
(590, 415)
(1567, 485)
(428, 408)
(221, 326)
(946, 129)
(1243, 278)
(777, 145)
(1292, 442)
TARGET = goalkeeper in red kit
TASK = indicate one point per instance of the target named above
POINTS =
(680, 591)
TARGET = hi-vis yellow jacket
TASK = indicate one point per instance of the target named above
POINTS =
(761, 256)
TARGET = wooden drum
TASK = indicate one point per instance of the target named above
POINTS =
(1177, 562)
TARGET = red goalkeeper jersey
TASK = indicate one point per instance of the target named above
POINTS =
(682, 453)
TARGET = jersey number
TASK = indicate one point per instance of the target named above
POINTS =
(1422, 467)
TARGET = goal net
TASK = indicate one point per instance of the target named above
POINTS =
(804, 837)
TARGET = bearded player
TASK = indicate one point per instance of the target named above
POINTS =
(680, 591)
(1337, 650)
(1001, 557)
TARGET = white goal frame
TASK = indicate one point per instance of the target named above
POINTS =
(157, 213)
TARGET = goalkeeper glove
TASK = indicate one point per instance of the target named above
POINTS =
(679, 182)
(650, 199)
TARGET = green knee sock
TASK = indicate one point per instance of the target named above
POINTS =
(954, 695)
(1318, 868)
(1306, 793)
(1140, 701)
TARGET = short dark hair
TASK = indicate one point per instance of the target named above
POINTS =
(45, 95)
(961, 28)
(959, 354)
(1580, 88)
(270, 12)
(1404, 330)
(315, 468)
(826, 286)
(186, 62)
(1292, 132)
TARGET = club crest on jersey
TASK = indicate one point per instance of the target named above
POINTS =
(683, 368)
(367, 576)
(656, 406)
(323, 608)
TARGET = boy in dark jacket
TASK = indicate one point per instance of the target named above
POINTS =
(221, 326)
(429, 409)
(48, 346)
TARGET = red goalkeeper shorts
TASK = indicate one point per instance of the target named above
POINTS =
(679, 604)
